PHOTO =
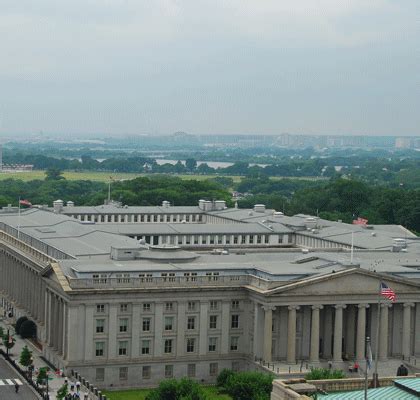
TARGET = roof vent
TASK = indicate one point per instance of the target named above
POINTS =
(70, 204)
(259, 208)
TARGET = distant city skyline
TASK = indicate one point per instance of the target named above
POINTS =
(123, 67)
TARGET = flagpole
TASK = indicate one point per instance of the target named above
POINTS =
(375, 374)
(352, 247)
(18, 227)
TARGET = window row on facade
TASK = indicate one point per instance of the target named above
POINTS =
(135, 218)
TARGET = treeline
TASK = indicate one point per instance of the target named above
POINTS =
(140, 191)
(343, 199)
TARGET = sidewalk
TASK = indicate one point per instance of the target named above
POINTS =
(53, 384)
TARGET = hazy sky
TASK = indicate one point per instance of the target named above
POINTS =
(219, 66)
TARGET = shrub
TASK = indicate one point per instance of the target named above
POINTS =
(28, 329)
(324, 373)
(223, 377)
(249, 385)
(19, 323)
(171, 389)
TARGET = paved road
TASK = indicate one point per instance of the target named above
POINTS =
(8, 377)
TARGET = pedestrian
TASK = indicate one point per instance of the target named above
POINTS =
(78, 386)
(356, 367)
(16, 387)
(66, 381)
(402, 370)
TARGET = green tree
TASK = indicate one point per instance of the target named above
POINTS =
(42, 376)
(191, 164)
(26, 357)
(172, 389)
(53, 174)
(249, 385)
(61, 393)
(8, 340)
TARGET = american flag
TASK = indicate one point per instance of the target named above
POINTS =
(387, 292)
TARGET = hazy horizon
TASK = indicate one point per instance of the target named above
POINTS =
(123, 67)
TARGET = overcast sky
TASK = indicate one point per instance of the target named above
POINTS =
(219, 66)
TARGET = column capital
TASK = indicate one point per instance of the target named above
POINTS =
(267, 307)
(290, 308)
(340, 306)
(317, 307)
(363, 306)
(409, 304)
(386, 305)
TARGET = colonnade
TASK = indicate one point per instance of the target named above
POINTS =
(56, 312)
(333, 331)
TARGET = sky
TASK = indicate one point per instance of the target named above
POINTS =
(223, 66)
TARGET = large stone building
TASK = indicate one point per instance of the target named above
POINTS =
(131, 295)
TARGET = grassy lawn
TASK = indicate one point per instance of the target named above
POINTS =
(95, 176)
(140, 394)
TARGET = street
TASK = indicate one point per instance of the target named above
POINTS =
(8, 378)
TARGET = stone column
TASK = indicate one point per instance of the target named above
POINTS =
(257, 336)
(406, 334)
(268, 332)
(383, 333)
(314, 351)
(361, 332)
(338, 333)
(291, 335)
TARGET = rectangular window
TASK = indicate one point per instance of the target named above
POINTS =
(99, 349)
(146, 372)
(212, 344)
(191, 370)
(235, 305)
(169, 306)
(145, 347)
(191, 323)
(123, 307)
(168, 346)
(123, 373)
(100, 374)
(266, 239)
(213, 322)
(251, 239)
(146, 324)
(234, 321)
(214, 369)
(235, 239)
(169, 323)
(146, 307)
(123, 324)
(122, 348)
(100, 308)
(259, 238)
(234, 340)
(191, 305)
(214, 305)
(190, 345)
(100, 325)
(243, 239)
(169, 371)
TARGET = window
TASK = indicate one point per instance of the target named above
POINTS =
(123, 373)
(190, 345)
(146, 324)
(100, 325)
(235, 305)
(234, 340)
(266, 239)
(169, 322)
(191, 370)
(146, 307)
(213, 322)
(169, 306)
(235, 239)
(146, 372)
(145, 347)
(214, 305)
(169, 371)
(214, 368)
(99, 349)
(212, 344)
(99, 278)
(123, 307)
(191, 305)
(146, 278)
(259, 237)
(204, 240)
(191, 323)
(243, 239)
(100, 374)
(168, 346)
(123, 324)
(122, 348)
(251, 239)
(234, 321)
(100, 308)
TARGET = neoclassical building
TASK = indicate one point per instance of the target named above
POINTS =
(125, 311)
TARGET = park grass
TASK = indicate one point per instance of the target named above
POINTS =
(140, 394)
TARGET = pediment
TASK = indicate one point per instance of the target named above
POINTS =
(354, 281)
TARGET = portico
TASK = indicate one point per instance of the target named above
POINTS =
(300, 323)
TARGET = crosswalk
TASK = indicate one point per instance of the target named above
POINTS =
(4, 382)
